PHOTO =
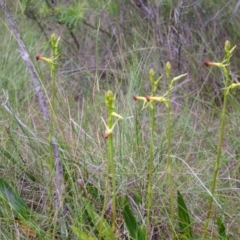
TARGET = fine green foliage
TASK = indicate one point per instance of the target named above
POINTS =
(70, 15)
(185, 225)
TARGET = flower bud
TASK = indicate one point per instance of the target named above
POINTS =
(227, 47)
(151, 75)
(53, 40)
(168, 69)
(109, 99)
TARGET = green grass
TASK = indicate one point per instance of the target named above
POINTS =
(122, 67)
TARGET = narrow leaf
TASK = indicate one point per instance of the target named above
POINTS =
(82, 235)
(183, 217)
(136, 231)
(106, 231)
(221, 229)
(130, 221)
(141, 233)
(14, 200)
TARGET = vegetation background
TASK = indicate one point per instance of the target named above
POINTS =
(113, 45)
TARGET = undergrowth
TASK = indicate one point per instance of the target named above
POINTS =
(169, 168)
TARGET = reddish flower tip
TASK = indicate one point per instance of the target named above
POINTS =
(106, 134)
(148, 98)
(135, 97)
(207, 63)
(38, 57)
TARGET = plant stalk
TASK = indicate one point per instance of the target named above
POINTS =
(220, 143)
(150, 168)
(169, 161)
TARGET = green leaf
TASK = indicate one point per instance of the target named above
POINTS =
(141, 233)
(138, 196)
(102, 226)
(130, 221)
(183, 217)
(221, 229)
(82, 235)
(14, 200)
(136, 231)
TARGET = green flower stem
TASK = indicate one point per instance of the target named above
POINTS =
(217, 162)
(54, 159)
(110, 101)
(111, 164)
(150, 101)
(104, 202)
(54, 43)
(150, 168)
(225, 68)
(52, 104)
(154, 85)
(169, 160)
(53, 63)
